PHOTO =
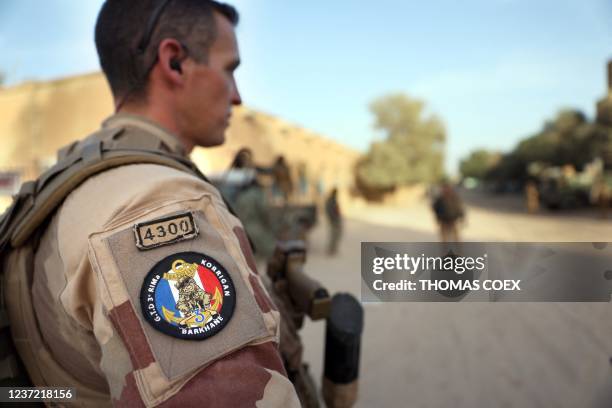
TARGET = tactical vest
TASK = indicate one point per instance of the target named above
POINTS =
(22, 225)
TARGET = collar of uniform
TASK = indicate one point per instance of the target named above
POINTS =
(129, 120)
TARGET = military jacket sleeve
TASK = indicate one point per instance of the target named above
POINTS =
(173, 297)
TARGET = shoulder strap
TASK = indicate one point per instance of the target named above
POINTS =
(38, 199)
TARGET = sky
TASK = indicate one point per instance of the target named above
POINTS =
(492, 70)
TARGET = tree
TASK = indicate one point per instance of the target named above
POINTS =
(479, 163)
(566, 139)
(412, 150)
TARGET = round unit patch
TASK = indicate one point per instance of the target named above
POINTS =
(188, 295)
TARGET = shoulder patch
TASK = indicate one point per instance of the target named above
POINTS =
(164, 231)
(188, 295)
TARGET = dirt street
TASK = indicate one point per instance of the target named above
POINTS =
(469, 354)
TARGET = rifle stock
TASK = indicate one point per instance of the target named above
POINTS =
(297, 295)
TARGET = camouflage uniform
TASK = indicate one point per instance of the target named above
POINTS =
(250, 206)
(82, 322)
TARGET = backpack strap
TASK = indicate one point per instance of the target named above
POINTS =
(50, 196)
(108, 148)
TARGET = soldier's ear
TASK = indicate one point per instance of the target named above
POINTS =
(171, 53)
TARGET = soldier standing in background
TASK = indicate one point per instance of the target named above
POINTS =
(240, 173)
(252, 209)
(100, 313)
(448, 209)
(603, 198)
(243, 159)
(283, 184)
(334, 217)
(532, 197)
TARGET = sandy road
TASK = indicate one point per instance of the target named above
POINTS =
(469, 354)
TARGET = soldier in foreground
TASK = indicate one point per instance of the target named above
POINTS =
(140, 288)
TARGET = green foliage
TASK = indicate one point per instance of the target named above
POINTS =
(566, 139)
(412, 150)
(479, 163)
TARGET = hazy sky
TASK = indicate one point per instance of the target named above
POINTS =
(493, 70)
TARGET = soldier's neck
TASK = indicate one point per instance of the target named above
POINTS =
(160, 115)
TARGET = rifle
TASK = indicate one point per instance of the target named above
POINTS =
(297, 295)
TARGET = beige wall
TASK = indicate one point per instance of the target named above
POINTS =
(37, 118)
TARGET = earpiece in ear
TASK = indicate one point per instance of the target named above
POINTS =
(175, 65)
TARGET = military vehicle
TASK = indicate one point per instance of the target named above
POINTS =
(561, 187)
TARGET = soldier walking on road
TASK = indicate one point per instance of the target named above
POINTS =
(448, 209)
(334, 217)
(532, 197)
(604, 201)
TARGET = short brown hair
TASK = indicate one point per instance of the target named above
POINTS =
(121, 27)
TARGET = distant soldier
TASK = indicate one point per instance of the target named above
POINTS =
(532, 196)
(239, 174)
(283, 185)
(332, 210)
(248, 199)
(243, 159)
(252, 209)
(448, 209)
(604, 200)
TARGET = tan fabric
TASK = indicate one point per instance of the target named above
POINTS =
(132, 265)
(276, 394)
(340, 395)
(138, 123)
(86, 285)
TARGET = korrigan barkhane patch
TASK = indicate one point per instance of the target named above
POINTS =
(188, 295)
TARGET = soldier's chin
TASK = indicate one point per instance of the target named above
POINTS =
(213, 140)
